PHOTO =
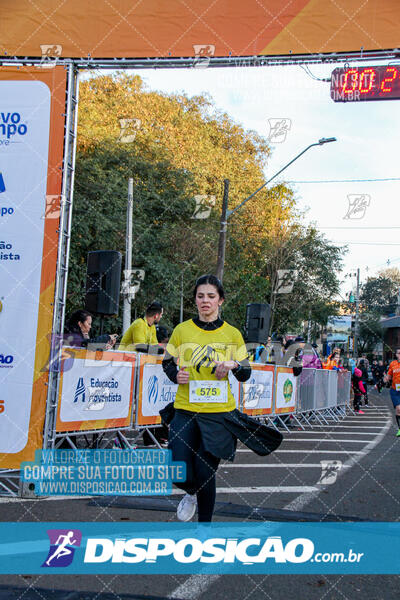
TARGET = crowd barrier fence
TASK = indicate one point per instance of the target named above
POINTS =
(123, 392)
(271, 394)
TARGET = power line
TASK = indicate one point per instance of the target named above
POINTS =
(359, 227)
(346, 180)
(367, 243)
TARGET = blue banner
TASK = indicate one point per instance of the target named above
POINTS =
(187, 548)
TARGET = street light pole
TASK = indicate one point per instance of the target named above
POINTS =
(357, 315)
(222, 232)
(126, 315)
(225, 213)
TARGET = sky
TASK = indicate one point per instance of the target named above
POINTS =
(367, 135)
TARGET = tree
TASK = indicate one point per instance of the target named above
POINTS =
(379, 295)
(184, 147)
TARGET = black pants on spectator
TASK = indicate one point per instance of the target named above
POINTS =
(357, 402)
(186, 444)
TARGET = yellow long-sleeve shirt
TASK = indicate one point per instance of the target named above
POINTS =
(140, 332)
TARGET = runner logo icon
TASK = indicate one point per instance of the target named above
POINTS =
(63, 543)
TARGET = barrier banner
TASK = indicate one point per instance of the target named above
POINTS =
(155, 390)
(258, 390)
(96, 390)
(32, 107)
(285, 391)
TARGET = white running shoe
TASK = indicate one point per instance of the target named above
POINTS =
(186, 507)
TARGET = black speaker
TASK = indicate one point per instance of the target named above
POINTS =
(103, 280)
(257, 322)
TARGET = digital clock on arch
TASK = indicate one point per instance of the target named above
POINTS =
(356, 84)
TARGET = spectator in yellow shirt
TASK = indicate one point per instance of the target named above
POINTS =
(141, 335)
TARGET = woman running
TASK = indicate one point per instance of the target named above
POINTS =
(204, 422)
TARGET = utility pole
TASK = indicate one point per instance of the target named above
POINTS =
(181, 310)
(357, 315)
(225, 213)
(126, 318)
(222, 232)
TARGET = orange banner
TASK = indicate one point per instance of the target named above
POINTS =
(94, 385)
(122, 28)
(258, 391)
(285, 391)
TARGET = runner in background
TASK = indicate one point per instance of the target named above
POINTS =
(358, 389)
(363, 366)
(393, 375)
(204, 422)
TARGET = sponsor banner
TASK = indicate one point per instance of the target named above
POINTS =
(285, 391)
(103, 472)
(31, 151)
(188, 548)
(258, 390)
(155, 390)
(96, 390)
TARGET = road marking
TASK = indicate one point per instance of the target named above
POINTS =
(290, 439)
(359, 426)
(313, 451)
(300, 502)
(272, 489)
(331, 430)
(194, 586)
(273, 466)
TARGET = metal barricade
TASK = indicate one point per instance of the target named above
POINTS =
(305, 390)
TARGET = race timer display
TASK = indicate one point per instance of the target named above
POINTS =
(356, 84)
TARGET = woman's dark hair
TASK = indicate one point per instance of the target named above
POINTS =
(77, 316)
(211, 280)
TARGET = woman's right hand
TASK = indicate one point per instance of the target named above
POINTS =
(182, 376)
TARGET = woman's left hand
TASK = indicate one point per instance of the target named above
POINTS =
(224, 367)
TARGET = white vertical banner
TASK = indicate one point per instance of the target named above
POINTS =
(24, 146)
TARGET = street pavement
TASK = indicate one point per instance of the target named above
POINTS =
(340, 471)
